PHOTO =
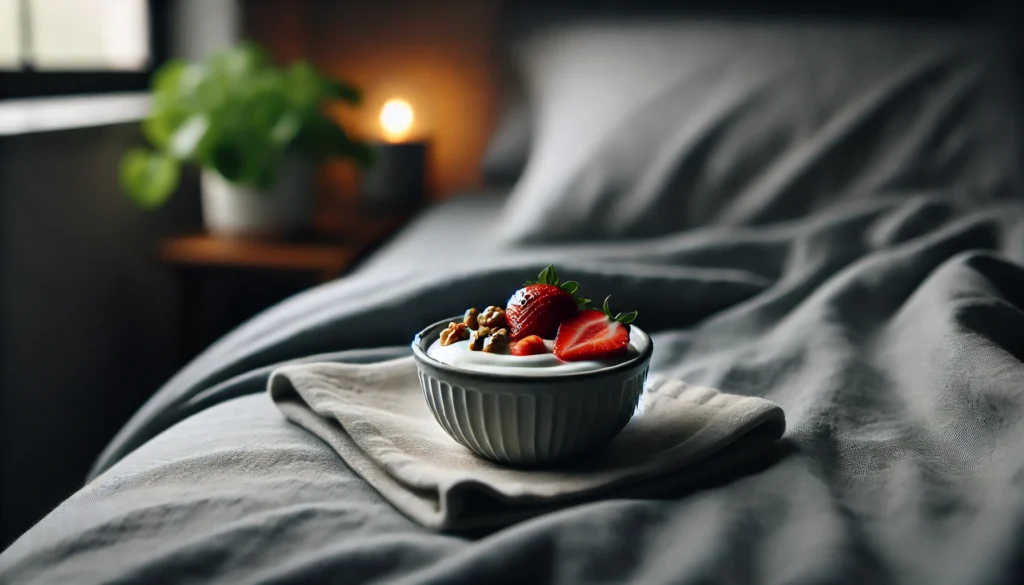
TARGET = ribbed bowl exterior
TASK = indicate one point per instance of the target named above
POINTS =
(533, 426)
(528, 421)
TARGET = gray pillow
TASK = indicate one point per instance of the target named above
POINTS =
(649, 128)
(509, 148)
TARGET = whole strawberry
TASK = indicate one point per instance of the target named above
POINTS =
(594, 335)
(541, 306)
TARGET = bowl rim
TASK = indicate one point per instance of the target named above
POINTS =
(421, 356)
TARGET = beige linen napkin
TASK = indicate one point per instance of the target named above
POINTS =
(375, 417)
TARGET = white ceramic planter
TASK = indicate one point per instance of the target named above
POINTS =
(235, 210)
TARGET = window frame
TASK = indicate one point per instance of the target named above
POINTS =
(29, 83)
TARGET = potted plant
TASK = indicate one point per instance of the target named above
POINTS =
(257, 131)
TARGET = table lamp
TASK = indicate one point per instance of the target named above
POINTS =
(398, 176)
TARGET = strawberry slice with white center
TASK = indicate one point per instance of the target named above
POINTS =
(593, 335)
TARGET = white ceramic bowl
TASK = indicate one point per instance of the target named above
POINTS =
(529, 420)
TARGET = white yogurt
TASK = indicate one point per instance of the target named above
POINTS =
(545, 364)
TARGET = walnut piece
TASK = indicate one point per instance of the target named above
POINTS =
(497, 342)
(470, 318)
(477, 338)
(493, 317)
(455, 332)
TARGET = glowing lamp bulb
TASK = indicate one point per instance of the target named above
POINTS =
(396, 119)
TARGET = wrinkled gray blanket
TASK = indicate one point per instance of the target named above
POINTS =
(889, 329)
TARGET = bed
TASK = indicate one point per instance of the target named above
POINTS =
(842, 233)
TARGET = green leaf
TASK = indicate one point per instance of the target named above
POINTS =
(167, 78)
(627, 318)
(286, 128)
(238, 62)
(229, 162)
(360, 153)
(148, 178)
(305, 87)
(340, 90)
(546, 275)
(582, 302)
(186, 140)
(624, 318)
(159, 127)
(570, 286)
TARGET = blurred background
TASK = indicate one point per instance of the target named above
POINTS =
(104, 296)
(102, 300)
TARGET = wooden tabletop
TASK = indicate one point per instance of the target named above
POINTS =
(340, 238)
(329, 260)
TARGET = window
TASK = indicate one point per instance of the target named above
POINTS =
(53, 47)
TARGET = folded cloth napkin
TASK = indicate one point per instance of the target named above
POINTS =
(375, 417)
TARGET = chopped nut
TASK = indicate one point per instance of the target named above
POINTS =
(476, 338)
(470, 318)
(493, 317)
(455, 332)
(497, 342)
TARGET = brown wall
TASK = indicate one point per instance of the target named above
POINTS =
(437, 54)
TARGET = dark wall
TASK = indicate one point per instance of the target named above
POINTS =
(437, 54)
(88, 315)
(906, 10)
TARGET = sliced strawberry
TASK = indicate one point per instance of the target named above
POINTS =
(593, 335)
(529, 345)
(540, 307)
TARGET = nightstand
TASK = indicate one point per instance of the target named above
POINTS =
(225, 281)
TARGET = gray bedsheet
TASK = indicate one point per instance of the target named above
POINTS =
(890, 330)
(452, 233)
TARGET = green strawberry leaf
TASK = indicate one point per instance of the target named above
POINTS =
(627, 318)
(624, 318)
(546, 276)
(550, 277)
